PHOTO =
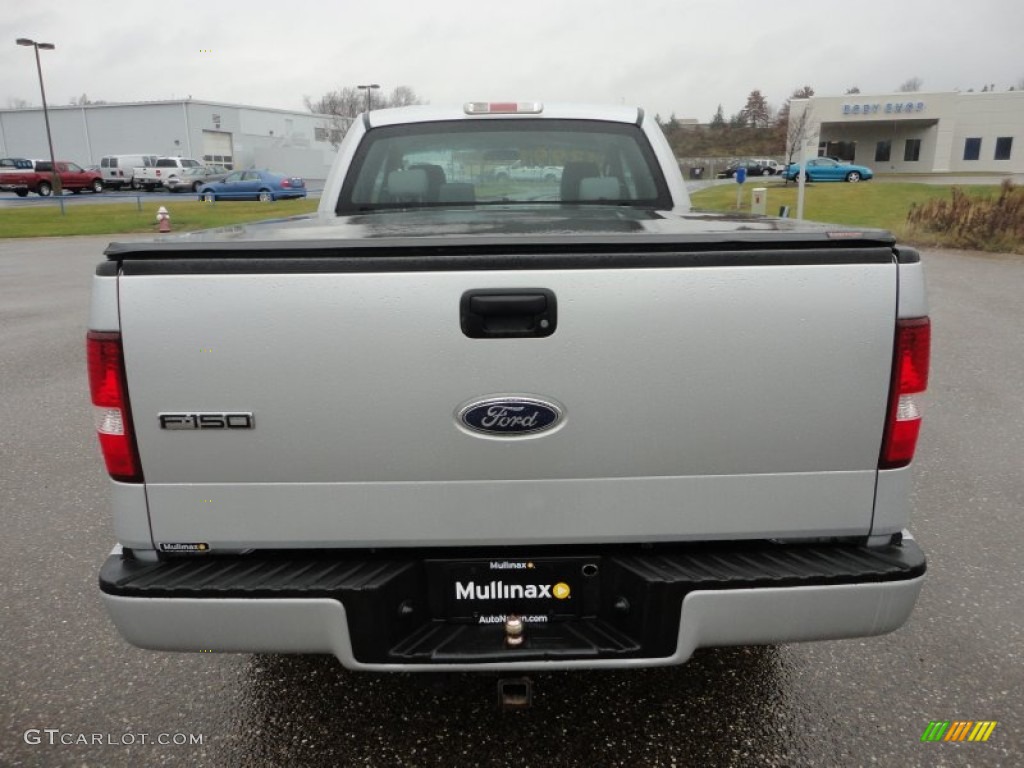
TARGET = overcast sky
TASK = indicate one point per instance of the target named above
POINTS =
(669, 56)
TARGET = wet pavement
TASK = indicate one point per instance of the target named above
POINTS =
(66, 676)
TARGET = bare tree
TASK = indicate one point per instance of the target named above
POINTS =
(852, 90)
(781, 128)
(83, 100)
(344, 104)
(402, 96)
(798, 131)
(912, 85)
(349, 101)
(15, 103)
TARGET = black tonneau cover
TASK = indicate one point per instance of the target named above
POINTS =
(517, 233)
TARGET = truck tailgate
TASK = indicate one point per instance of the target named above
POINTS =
(735, 396)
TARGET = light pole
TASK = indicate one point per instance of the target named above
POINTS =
(369, 89)
(55, 177)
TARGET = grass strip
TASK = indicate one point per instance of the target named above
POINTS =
(867, 204)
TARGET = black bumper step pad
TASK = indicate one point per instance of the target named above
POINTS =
(392, 601)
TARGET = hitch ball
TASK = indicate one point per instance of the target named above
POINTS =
(514, 631)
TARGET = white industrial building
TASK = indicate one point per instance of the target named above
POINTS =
(919, 133)
(297, 143)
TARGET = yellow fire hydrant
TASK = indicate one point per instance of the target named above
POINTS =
(163, 220)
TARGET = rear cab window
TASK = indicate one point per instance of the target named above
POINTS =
(503, 162)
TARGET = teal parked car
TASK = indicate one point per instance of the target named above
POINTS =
(827, 169)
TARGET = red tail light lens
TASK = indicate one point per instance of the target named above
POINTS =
(285, 183)
(910, 377)
(110, 406)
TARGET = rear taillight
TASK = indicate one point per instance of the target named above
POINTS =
(285, 183)
(909, 378)
(110, 406)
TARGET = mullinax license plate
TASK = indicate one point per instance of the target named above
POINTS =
(537, 589)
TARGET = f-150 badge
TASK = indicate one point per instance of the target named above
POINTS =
(511, 416)
(206, 420)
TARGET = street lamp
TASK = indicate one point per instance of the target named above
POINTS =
(46, 114)
(369, 89)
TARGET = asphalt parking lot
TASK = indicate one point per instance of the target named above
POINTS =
(66, 675)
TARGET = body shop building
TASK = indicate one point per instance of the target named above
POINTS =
(919, 133)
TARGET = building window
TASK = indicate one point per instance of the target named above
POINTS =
(840, 150)
(1004, 147)
(226, 161)
(972, 149)
(323, 134)
(912, 150)
(882, 150)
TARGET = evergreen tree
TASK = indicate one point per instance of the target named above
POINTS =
(757, 113)
(718, 121)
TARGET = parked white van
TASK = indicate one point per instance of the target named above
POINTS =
(118, 170)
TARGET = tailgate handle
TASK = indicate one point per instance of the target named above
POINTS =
(508, 313)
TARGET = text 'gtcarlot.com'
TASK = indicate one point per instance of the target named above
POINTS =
(57, 737)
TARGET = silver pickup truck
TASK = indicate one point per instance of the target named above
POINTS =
(156, 175)
(439, 426)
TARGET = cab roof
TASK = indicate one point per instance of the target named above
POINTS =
(428, 113)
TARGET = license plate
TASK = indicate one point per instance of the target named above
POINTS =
(537, 589)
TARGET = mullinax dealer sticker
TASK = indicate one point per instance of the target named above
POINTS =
(176, 546)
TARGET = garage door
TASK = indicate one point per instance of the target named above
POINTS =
(217, 148)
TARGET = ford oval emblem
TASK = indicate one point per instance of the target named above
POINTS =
(511, 416)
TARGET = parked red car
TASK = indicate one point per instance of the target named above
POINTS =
(39, 178)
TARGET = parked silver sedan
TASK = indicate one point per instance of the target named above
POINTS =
(191, 179)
